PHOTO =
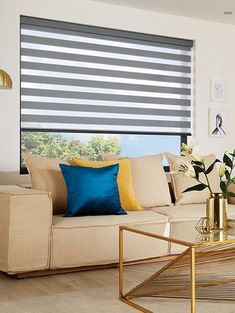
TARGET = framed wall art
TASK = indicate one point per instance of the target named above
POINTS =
(217, 122)
(217, 90)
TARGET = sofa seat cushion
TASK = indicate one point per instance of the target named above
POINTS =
(177, 213)
(133, 217)
(183, 219)
(93, 240)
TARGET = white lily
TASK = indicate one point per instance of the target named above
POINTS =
(192, 152)
(186, 150)
(222, 170)
(196, 154)
(185, 167)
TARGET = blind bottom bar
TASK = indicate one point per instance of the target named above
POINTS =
(94, 128)
(86, 131)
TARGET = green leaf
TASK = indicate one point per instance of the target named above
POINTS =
(197, 163)
(211, 167)
(231, 194)
(227, 161)
(198, 187)
(232, 154)
(198, 169)
(223, 187)
(227, 175)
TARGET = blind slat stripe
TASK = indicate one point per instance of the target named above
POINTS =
(113, 57)
(103, 60)
(102, 121)
(112, 92)
(97, 66)
(102, 108)
(26, 73)
(105, 97)
(153, 46)
(84, 77)
(111, 42)
(105, 115)
(57, 26)
(104, 48)
(105, 73)
(86, 102)
(99, 84)
(115, 128)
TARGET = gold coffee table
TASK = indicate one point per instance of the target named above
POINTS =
(203, 269)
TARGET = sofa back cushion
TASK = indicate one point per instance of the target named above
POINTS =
(181, 182)
(149, 180)
(46, 175)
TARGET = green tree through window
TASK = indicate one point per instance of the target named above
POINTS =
(58, 146)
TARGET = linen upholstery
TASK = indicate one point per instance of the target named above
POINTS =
(149, 180)
(231, 188)
(181, 182)
(93, 240)
(46, 175)
(128, 199)
(188, 212)
(25, 229)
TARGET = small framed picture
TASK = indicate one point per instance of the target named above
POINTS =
(217, 122)
(217, 90)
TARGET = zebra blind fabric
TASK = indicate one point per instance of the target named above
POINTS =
(84, 78)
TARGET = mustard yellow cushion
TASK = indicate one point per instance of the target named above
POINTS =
(124, 180)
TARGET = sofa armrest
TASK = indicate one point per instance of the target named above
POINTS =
(25, 229)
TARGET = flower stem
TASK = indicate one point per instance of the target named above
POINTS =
(208, 183)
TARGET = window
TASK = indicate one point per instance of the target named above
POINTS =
(82, 79)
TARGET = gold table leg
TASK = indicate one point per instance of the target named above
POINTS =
(120, 262)
(193, 281)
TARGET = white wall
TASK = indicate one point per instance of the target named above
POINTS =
(214, 57)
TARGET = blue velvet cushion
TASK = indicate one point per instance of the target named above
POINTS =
(92, 191)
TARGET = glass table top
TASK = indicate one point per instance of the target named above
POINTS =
(185, 233)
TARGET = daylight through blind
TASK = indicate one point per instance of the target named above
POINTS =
(84, 78)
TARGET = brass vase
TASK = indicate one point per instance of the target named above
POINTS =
(216, 210)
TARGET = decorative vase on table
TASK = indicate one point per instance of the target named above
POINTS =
(192, 165)
(216, 210)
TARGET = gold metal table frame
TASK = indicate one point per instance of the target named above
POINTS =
(203, 268)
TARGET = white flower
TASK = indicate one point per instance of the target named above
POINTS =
(222, 170)
(192, 152)
(186, 150)
(196, 154)
(185, 167)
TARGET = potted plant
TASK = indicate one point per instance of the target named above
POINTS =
(192, 165)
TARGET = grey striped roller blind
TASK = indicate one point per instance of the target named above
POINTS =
(84, 78)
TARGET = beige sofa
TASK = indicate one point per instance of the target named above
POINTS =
(33, 239)
(34, 235)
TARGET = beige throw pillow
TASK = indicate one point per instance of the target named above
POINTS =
(46, 175)
(149, 180)
(181, 182)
